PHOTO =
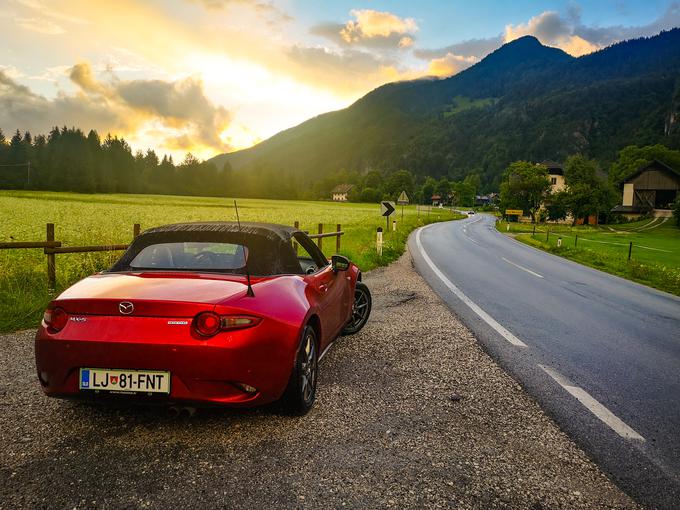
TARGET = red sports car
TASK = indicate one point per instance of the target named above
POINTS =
(203, 313)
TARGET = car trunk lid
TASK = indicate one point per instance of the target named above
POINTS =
(149, 294)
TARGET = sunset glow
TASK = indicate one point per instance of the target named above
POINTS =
(211, 76)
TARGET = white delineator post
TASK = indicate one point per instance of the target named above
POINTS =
(379, 241)
(394, 225)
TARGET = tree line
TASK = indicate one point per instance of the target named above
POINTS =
(68, 160)
(374, 186)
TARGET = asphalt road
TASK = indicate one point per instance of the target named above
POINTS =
(599, 353)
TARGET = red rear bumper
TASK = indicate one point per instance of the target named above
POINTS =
(202, 371)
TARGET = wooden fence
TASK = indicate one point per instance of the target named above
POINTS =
(52, 247)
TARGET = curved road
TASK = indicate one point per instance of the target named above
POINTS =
(601, 354)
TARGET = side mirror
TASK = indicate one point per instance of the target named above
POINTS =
(339, 263)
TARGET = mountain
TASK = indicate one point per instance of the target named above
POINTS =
(523, 101)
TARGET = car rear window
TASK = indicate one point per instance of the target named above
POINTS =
(189, 256)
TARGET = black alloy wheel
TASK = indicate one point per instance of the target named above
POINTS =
(301, 391)
(361, 309)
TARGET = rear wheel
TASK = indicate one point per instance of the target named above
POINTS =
(361, 309)
(301, 391)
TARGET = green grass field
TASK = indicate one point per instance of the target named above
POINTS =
(108, 219)
(655, 255)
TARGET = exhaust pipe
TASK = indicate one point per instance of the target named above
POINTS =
(187, 412)
(173, 411)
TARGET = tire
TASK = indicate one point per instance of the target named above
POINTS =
(300, 393)
(361, 309)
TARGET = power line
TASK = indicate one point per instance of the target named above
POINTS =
(28, 170)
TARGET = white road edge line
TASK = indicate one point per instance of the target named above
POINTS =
(471, 304)
(470, 239)
(604, 414)
(521, 267)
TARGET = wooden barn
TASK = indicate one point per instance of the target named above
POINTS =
(650, 190)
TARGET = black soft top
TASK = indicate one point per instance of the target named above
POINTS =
(268, 230)
(270, 249)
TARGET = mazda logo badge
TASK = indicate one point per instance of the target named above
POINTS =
(126, 308)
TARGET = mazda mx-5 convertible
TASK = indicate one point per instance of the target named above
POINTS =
(200, 314)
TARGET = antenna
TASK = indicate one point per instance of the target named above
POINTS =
(250, 292)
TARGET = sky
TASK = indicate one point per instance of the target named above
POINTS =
(213, 76)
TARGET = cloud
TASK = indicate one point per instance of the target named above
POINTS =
(449, 65)
(263, 8)
(179, 109)
(347, 62)
(22, 108)
(42, 25)
(568, 33)
(604, 36)
(553, 30)
(180, 104)
(81, 74)
(370, 28)
(450, 60)
(40, 17)
(348, 71)
(477, 48)
(11, 72)
(370, 23)
(406, 42)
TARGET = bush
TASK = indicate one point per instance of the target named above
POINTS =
(676, 210)
(370, 195)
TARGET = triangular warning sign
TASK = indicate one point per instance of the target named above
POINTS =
(403, 198)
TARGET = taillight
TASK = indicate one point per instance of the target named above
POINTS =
(209, 323)
(239, 321)
(55, 318)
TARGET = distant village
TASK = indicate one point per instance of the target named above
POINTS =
(650, 191)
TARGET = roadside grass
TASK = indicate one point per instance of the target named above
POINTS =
(82, 219)
(655, 254)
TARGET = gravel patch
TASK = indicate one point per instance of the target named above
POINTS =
(410, 413)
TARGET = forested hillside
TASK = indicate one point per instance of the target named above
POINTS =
(523, 101)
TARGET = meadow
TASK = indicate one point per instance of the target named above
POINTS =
(654, 257)
(82, 219)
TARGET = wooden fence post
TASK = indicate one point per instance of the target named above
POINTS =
(320, 238)
(51, 269)
(135, 231)
(295, 244)
(337, 239)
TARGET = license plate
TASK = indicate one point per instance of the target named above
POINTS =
(124, 381)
